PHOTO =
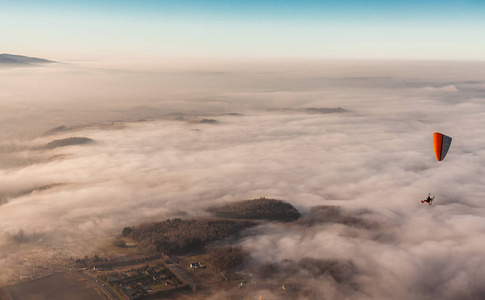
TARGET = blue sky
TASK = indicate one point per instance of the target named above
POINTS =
(443, 30)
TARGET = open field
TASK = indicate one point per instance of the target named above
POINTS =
(205, 276)
(57, 286)
(109, 247)
(210, 280)
(85, 247)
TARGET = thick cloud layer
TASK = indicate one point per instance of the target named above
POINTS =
(375, 161)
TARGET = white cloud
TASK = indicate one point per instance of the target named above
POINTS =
(378, 157)
(443, 89)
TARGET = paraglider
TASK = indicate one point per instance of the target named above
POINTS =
(441, 145)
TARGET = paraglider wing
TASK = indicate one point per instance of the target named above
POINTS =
(441, 145)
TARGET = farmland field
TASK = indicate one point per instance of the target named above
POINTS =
(57, 286)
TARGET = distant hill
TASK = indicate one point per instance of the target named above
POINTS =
(324, 110)
(335, 214)
(57, 130)
(313, 110)
(208, 121)
(233, 115)
(19, 60)
(69, 142)
(257, 209)
(175, 236)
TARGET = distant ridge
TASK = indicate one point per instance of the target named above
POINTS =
(11, 59)
(71, 141)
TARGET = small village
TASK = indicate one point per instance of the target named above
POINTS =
(119, 267)
(140, 281)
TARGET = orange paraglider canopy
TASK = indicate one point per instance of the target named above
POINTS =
(441, 144)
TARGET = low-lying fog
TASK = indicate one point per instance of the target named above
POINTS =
(152, 158)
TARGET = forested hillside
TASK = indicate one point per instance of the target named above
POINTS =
(257, 209)
(175, 236)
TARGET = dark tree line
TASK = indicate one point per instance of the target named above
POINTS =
(325, 110)
(68, 142)
(335, 214)
(226, 257)
(342, 271)
(258, 209)
(175, 236)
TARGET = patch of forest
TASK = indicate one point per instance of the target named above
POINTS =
(69, 142)
(176, 236)
(335, 214)
(313, 110)
(208, 121)
(257, 209)
(324, 110)
(342, 271)
(227, 257)
(57, 130)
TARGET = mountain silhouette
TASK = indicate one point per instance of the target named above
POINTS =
(10, 59)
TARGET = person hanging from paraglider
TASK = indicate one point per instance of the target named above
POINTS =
(441, 145)
(428, 199)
